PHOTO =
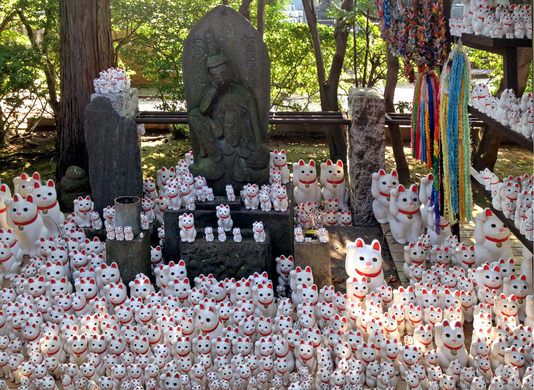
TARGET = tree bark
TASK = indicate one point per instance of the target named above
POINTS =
(244, 8)
(487, 151)
(394, 131)
(86, 48)
(260, 17)
(328, 87)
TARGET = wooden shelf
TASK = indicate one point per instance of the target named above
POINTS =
(483, 42)
(518, 138)
(507, 222)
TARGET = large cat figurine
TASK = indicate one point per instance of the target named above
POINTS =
(305, 184)
(5, 193)
(425, 193)
(24, 183)
(492, 240)
(381, 186)
(333, 182)
(27, 223)
(404, 214)
(46, 198)
(365, 260)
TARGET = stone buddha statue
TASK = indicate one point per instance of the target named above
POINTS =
(226, 132)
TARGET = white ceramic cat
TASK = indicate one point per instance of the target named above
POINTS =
(237, 234)
(224, 219)
(404, 214)
(333, 182)
(5, 193)
(46, 198)
(365, 260)
(279, 161)
(492, 238)
(280, 201)
(82, 211)
(450, 343)
(259, 232)
(24, 183)
(425, 194)
(305, 184)
(186, 223)
(27, 223)
(382, 184)
(251, 197)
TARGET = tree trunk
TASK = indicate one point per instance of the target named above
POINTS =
(260, 17)
(86, 48)
(487, 151)
(394, 130)
(328, 87)
(244, 8)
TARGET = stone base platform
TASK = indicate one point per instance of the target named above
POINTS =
(279, 226)
(132, 257)
(227, 259)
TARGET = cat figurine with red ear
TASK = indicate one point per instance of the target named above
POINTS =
(82, 211)
(365, 260)
(305, 184)
(24, 183)
(279, 162)
(381, 186)
(27, 223)
(46, 198)
(333, 182)
(492, 238)
(404, 214)
(5, 193)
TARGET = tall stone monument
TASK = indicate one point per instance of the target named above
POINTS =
(227, 85)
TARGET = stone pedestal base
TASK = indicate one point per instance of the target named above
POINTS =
(279, 226)
(132, 257)
(113, 148)
(317, 256)
(227, 259)
(366, 155)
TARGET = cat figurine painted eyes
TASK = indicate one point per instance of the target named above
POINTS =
(381, 186)
(404, 214)
(365, 260)
(491, 238)
(306, 188)
(28, 226)
(333, 182)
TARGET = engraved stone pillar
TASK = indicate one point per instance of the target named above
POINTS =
(113, 147)
(366, 150)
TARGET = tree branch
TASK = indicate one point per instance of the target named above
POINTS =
(341, 34)
(244, 8)
(311, 19)
(7, 19)
(260, 17)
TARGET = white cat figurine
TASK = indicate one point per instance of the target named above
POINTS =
(382, 184)
(186, 223)
(46, 198)
(224, 219)
(333, 182)
(492, 238)
(5, 193)
(259, 232)
(305, 184)
(82, 211)
(279, 161)
(27, 223)
(404, 214)
(365, 260)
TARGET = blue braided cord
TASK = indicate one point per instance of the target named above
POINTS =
(452, 126)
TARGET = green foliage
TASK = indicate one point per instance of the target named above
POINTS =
(481, 59)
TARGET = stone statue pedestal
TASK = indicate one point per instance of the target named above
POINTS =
(227, 259)
(278, 225)
(317, 256)
(113, 147)
(367, 142)
(132, 257)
